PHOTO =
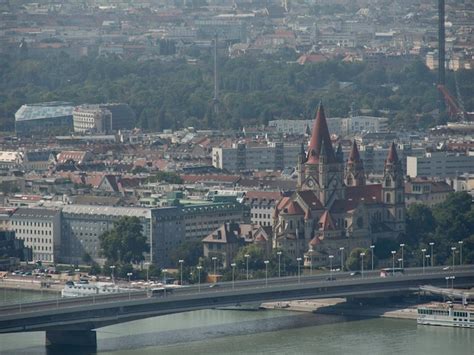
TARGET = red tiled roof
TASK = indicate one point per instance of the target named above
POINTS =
(292, 208)
(210, 177)
(310, 199)
(263, 195)
(326, 222)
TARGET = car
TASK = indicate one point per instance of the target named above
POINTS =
(213, 285)
(355, 273)
(446, 268)
(70, 283)
(330, 278)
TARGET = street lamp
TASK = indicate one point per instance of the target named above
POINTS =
(453, 249)
(214, 259)
(362, 264)
(447, 281)
(393, 262)
(432, 253)
(423, 251)
(330, 265)
(164, 275)
(311, 262)
(399, 262)
(266, 272)
(279, 262)
(233, 274)
(299, 274)
(147, 264)
(199, 267)
(372, 255)
(342, 258)
(427, 259)
(452, 281)
(112, 267)
(460, 250)
(247, 256)
(129, 274)
(181, 261)
(402, 246)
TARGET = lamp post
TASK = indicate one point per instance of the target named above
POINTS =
(428, 256)
(233, 274)
(453, 249)
(399, 262)
(164, 280)
(129, 274)
(112, 267)
(452, 281)
(362, 264)
(342, 258)
(266, 272)
(147, 264)
(214, 259)
(247, 256)
(299, 274)
(447, 281)
(432, 253)
(330, 265)
(393, 262)
(310, 251)
(199, 268)
(372, 247)
(279, 262)
(181, 261)
(402, 246)
(460, 251)
(423, 251)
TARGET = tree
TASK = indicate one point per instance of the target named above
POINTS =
(354, 261)
(256, 257)
(189, 251)
(419, 223)
(125, 242)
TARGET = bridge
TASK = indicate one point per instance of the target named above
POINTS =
(72, 321)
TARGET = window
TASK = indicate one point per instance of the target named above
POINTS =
(388, 197)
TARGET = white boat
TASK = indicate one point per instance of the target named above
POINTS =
(446, 314)
(91, 289)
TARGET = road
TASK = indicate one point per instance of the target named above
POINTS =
(319, 280)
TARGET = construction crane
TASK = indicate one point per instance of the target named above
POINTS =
(454, 108)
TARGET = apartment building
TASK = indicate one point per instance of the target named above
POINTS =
(40, 229)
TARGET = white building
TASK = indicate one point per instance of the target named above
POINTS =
(336, 125)
(241, 157)
(40, 229)
(440, 164)
(92, 119)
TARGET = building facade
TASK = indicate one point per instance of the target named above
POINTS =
(40, 230)
(47, 117)
(440, 165)
(92, 119)
(241, 157)
(333, 206)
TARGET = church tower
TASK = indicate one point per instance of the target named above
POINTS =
(323, 171)
(355, 175)
(393, 191)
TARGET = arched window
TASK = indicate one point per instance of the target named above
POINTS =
(388, 182)
(388, 197)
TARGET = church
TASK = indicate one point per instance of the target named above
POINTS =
(333, 207)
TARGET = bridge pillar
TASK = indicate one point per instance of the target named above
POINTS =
(76, 338)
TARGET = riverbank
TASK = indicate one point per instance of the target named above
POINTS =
(339, 306)
(30, 284)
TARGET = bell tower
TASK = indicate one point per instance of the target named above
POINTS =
(393, 191)
(355, 175)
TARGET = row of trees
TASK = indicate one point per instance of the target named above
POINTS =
(176, 94)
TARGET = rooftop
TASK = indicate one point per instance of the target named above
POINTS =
(44, 110)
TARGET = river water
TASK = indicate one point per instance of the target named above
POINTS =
(262, 332)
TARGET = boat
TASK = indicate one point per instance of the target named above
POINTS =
(72, 289)
(446, 314)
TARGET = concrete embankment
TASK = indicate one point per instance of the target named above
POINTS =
(30, 284)
(339, 306)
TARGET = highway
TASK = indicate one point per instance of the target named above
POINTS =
(326, 280)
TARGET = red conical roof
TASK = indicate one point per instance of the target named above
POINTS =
(392, 156)
(354, 156)
(319, 138)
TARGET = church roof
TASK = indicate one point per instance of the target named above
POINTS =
(392, 156)
(310, 199)
(326, 222)
(354, 155)
(358, 194)
(320, 143)
(292, 208)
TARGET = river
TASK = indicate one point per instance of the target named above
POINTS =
(262, 332)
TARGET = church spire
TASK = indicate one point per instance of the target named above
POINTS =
(354, 157)
(320, 138)
(392, 156)
(355, 174)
